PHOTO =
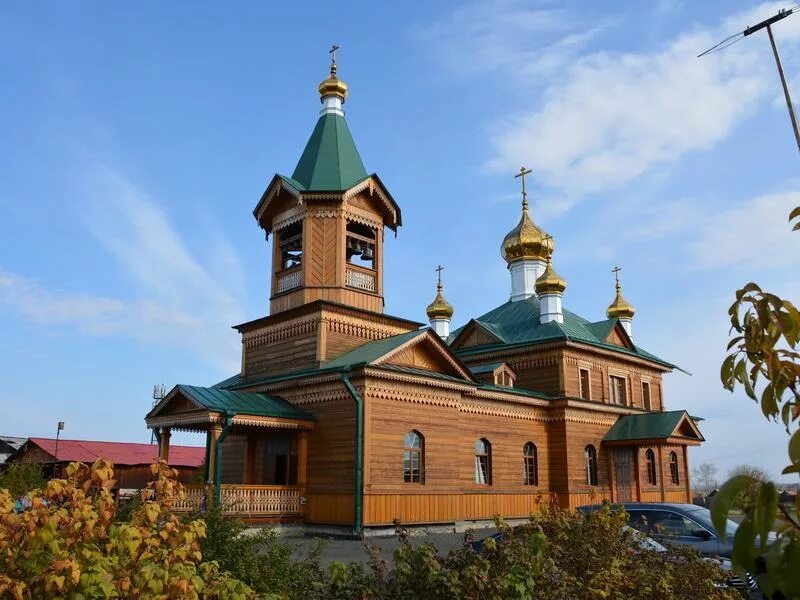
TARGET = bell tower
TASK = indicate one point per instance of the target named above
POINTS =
(328, 218)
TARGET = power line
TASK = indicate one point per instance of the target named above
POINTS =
(766, 24)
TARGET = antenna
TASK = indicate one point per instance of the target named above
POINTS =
(766, 24)
(159, 391)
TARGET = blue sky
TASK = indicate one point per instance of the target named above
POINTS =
(137, 139)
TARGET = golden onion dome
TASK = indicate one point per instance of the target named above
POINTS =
(333, 86)
(439, 308)
(550, 282)
(526, 240)
(620, 308)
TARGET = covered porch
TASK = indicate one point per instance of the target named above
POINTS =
(648, 458)
(256, 450)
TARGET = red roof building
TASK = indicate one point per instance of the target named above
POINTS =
(131, 461)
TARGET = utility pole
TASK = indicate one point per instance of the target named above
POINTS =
(767, 24)
(59, 429)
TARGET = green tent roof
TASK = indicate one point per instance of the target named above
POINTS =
(654, 425)
(330, 161)
(517, 323)
(245, 403)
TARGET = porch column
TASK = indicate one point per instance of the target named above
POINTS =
(686, 474)
(163, 446)
(302, 464)
(211, 442)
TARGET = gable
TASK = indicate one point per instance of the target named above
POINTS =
(474, 334)
(618, 337)
(687, 428)
(425, 352)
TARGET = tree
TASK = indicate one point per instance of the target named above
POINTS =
(704, 478)
(764, 359)
(749, 495)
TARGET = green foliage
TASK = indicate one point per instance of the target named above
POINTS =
(257, 558)
(764, 360)
(20, 478)
(748, 494)
(67, 545)
(555, 556)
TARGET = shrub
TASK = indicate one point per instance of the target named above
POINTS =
(21, 478)
(68, 545)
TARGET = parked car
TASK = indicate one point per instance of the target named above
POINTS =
(679, 524)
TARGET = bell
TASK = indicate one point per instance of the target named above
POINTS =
(367, 253)
(354, 248)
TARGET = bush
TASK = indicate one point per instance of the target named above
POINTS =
(21, 478)
(258, 558)
(67, 544)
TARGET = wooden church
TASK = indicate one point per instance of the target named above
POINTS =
(344, 415)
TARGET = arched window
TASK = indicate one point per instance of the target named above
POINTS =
(531, 464)
(414, 458)
(590, 459)
(483, 462)
(673, 468)
(650, 463)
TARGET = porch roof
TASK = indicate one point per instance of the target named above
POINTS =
(233, 403)
(675, 425)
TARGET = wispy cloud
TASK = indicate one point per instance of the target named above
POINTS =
(514, 36)
(176, 302)
(603, 119)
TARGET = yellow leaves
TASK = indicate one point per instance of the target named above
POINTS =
(70, 540)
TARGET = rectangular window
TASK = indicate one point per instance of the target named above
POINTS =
(646, 396)
(585, 393)
(617, 393)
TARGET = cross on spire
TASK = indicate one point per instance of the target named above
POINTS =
(439, 270)
(522, 172)
(332, 52)
(616, 271)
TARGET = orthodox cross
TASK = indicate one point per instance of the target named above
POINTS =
(439, 270)
(522, 172)
(616, 271)
(332, 52)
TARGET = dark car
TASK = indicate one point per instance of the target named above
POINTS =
(681, 524)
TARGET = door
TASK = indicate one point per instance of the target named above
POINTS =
(623, 474)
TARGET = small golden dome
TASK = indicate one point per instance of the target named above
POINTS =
(550, 282)
(439, 308)
(526, 240)
(333, 86)
(620, 308)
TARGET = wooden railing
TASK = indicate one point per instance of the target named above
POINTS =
(244, 500)
(360, 278)
(290, 279)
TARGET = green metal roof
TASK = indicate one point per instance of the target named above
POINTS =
(330, 161)
(370, 351)
(654, 425)
(484, 367)
(517, 323)
(242, 403)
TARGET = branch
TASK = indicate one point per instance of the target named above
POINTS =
(788, 517)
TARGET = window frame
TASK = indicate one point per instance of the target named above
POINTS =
(674, 469)
(588, 395)
(647, 399)
(623, 387)
(590, 464)
(650, 467)
(409, 453)
(530, 464)
(483, 462)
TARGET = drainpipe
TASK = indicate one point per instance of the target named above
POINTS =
(218, 459)
(359, 468)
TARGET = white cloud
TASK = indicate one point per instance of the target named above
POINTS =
(176, 300)
(753, 234)
(509, 35)
(599, 120)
